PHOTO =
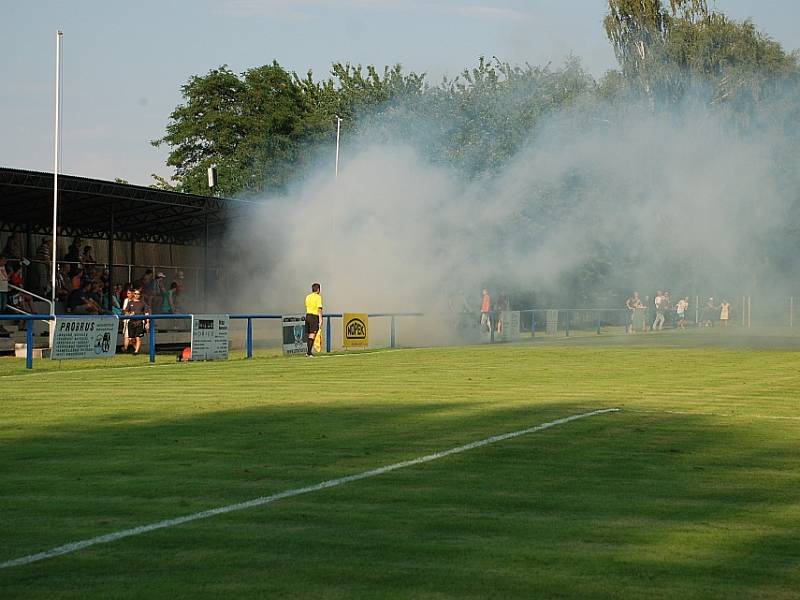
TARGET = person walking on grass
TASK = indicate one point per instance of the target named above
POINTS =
(658, 322)
(486, 307)
(313, 317)
(681, 308)
(724, 313)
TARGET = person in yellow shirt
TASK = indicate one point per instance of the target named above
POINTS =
(313, 316)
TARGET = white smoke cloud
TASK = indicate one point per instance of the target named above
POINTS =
(679, 202)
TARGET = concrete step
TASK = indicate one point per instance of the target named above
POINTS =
(21, 351)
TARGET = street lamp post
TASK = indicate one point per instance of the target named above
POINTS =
(338, 130)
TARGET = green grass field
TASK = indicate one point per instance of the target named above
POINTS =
(692, 490)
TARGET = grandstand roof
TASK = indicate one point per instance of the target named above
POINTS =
(95, 208)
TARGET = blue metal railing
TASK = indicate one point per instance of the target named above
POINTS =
(571, 317)
(153, 327)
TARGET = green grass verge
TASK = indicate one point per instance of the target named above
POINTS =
(692, 490)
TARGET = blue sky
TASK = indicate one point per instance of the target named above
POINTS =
(124, 62)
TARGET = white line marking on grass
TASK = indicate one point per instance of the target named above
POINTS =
(111, 537)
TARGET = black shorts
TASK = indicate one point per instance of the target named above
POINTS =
(312, 324)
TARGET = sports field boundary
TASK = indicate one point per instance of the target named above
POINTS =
(331, 483)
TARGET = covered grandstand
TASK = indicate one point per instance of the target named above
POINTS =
(149, 227)
(131, 228)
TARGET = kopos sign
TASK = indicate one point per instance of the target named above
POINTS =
(355, 330)
(210, 337)
(84, 337)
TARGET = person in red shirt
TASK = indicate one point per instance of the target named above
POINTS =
(486, 306)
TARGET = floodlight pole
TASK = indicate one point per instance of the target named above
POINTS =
(338, 130)
(53, 249)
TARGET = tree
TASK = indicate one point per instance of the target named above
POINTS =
(243, 124)
(666, 50)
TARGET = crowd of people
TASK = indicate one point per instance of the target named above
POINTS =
(491, 310)
(83, 287)
(665, 312)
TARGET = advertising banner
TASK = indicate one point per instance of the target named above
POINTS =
(294, 334)
(355, 331)
(84, 337)
(210, 337)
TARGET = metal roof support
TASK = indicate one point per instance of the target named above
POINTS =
(111, 235)
(205, 266)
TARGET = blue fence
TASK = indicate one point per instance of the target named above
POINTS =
(533, 321)
(153, 329)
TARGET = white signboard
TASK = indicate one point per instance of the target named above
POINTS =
(509, 320)
(92, 336)
(294, 334)
(210, 337)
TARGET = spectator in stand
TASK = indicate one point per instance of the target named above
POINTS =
(13, 247)
(116, 306)
(159, 290)
(136, 328)
(168, 300)
(126, 310)
(176, 299)
(19, 299)
(145, 285)
(87, 260)
(81, 301)
(63, 282)
(179, 279)
(78, 278)
(40, 271)
(3, 289)
(96, 294)
(180, 297)
(73, 256)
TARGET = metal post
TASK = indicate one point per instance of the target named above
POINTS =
(598, 323)
(567, 330)
(29, 344)
(697, 310)
(391, 334)
(533, 323)
(205, 263)
(338, 129)
(249, 337)
(133, 261)
(749, 311)
(744, 313)
(328, 334)
(54, 249)
(152, 340)
(111, 235)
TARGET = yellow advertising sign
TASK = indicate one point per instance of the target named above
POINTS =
(356, 330)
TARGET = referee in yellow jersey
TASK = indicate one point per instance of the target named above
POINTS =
(313, 316)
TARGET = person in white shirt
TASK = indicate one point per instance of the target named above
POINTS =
(680, 309)
(658, 322)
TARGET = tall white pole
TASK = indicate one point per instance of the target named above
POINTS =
(54, 248)
(338, 130)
